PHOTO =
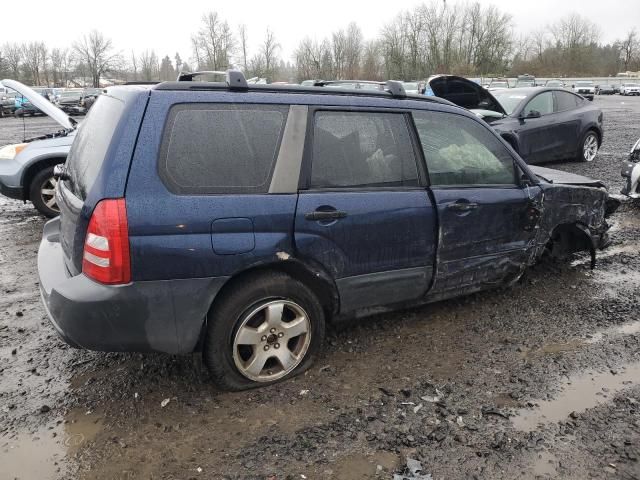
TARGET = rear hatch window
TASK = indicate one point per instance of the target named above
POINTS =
(91, 144)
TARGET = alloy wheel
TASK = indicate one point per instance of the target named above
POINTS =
(590, 148)
(272, 340)
(48, 193)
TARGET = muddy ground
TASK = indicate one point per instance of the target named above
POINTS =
(538, 381)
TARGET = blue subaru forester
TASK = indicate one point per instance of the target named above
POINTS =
(238, 219)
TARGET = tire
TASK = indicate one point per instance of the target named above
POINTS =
(585, 150)
(42, 193)
(244, 310)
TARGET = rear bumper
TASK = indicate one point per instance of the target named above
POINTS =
(151, 316)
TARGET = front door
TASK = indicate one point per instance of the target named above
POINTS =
(363, 213)
(485, 226)
(539, 140)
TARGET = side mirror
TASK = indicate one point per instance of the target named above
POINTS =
(534, 114)
(59, 172)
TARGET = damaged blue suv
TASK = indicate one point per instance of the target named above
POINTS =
(238, 220)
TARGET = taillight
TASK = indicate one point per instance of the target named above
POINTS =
(106, 247)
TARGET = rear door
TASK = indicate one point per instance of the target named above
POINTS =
(484, 228)
(567, 122)
(363, 212)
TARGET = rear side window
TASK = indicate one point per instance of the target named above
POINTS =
(461, 151)
(90, 146)
(362, 149)
(221, 148)
(565, 101)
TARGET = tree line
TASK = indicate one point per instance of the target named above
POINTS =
(435, 37)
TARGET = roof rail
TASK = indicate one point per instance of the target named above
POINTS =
(396, 88)
(234, 78)
(189, 76)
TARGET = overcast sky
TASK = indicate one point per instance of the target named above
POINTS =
(167, 27)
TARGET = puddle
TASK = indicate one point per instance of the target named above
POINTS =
(360, 466)
(555, 348)
(43, 454)
(582, 392)
(544, 465)
(631, 328)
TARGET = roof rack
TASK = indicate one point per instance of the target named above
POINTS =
(234, 78)
(394, 87)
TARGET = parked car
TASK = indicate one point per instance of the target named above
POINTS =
(243, 218)
(630, 89)
(586, 88)
(26, 169)
(498, 84)
(411, 87)
(7, 103)
(605, 89)
(69, 102)
(631, 173)
(554, 83)
(89, 96)
(545, 124)
(525, 81)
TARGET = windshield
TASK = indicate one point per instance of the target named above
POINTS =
(509, 101)
(70, 94)
(584, 83)
(525, 83)
(499, 84)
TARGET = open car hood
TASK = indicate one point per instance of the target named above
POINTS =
(464, 93)
(41, 103)
(557, 176)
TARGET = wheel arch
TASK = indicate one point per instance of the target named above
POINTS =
(571, 237)
(35, 167)
(312, 276)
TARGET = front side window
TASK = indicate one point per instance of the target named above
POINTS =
(461, 151)
(362, 149)
(221, 148)
(542, 103)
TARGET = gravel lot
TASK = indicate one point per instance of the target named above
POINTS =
(538, 381)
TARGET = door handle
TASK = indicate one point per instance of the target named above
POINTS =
(461, 206)
(325, 215)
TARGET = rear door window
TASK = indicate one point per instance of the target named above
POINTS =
(362, 149)
(90, 146)
(461, 151)
(221, 148)
(565, 101)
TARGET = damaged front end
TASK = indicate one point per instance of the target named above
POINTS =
(573, 218)
(631, 172)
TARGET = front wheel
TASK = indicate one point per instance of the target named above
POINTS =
(42, 193)
(263, 331)
(588, 147)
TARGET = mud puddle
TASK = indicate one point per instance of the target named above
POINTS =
(579, 393)
(631, 328)
(44, 453)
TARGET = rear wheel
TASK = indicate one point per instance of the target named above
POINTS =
(268, 329)
(42, 193)
(588, 147)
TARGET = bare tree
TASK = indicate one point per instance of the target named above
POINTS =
(353, 51)
(214, 44)
(134, 65)
(60, 66)
(96, 52)
(243, 36)
(149, 67)
(339, 50)
(12, 59)
(628, 47)
(35, 58)
(269, 52)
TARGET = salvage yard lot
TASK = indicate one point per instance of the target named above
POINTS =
(540, 379)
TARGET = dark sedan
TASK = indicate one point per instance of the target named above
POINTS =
(546, 124)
